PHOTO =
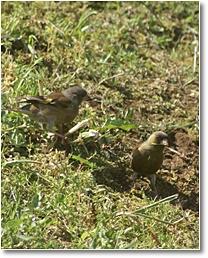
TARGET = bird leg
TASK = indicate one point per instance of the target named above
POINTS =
(56, 140)
(133, 178)
(56, 134)
(62, 135)
(59, 135)
(153, 183)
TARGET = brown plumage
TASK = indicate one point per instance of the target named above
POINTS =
(56, 109)
(148, 158)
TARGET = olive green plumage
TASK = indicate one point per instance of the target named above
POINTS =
(148, 158)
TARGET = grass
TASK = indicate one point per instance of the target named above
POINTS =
(138, 59)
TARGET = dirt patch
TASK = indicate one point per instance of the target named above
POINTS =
(179, 174)
(118, 178)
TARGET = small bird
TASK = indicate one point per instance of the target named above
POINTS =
(56, 109)
(148, 158)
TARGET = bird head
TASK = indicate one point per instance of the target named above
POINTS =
(78, 92)
(158, 139)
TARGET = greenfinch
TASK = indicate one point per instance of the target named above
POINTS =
(148, 158)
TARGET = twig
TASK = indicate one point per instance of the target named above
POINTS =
(178, 153)
(174, 151)
(177, 221)
(149, 217)
(8, 163)
(57, 28)
(166, 199)
(156, 219)
(44, 178)
(77, 127)
(188, 82)
(139, 211)
(169, 198)
(109, 78)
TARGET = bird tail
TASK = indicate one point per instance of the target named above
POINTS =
(10, 110)
(25, 109)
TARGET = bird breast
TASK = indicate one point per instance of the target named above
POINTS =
(146, 162)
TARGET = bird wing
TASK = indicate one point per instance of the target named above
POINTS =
(139, 159)
(33, 111)
(57, 98)
(29, 109)
(32, 99)
(35, 101)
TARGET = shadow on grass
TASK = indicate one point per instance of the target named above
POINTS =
(186, 201)
(118, 178)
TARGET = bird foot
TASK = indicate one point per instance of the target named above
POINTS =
(59, 138)
(155, 195)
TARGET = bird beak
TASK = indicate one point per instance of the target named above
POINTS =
(165, 142)
(162, 143)
(87, 98)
